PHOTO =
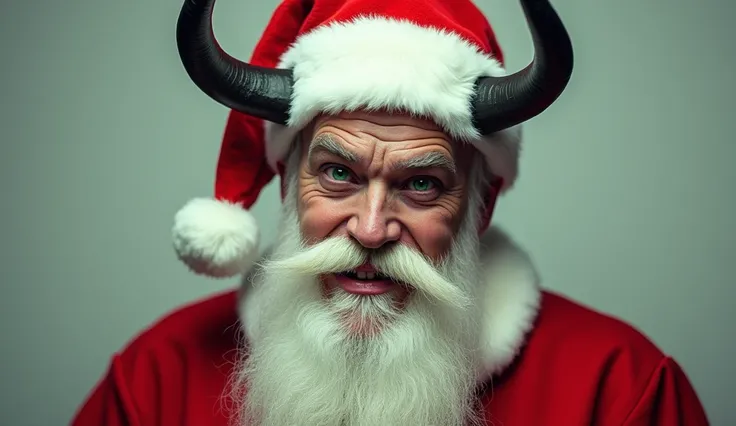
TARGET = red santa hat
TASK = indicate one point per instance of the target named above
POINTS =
(438, 59)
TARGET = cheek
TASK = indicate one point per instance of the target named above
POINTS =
(319, 217)
(433, 233)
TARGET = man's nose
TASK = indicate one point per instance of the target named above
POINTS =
(374, 224)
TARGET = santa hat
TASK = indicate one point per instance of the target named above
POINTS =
(438, 59)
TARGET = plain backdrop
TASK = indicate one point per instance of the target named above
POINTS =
(626, 199)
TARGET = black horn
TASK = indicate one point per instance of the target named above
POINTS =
(258, 91)
(502, 102)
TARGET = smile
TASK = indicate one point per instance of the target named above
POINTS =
(365, 281)
(361, 275)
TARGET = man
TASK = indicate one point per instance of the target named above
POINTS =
(387, 298)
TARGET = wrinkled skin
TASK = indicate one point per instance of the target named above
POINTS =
(367, 192)
(372, 201)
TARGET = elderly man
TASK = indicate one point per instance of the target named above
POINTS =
(387, 299)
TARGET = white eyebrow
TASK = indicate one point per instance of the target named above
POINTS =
(328, 143)
(426, 161)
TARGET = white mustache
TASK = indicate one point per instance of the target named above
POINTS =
(402, 263)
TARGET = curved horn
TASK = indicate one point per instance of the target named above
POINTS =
(502, 102)
(261, 92)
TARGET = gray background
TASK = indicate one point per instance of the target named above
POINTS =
(626, 198)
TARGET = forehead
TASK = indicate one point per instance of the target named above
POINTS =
(394, 131)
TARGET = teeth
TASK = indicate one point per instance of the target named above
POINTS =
(365, 275)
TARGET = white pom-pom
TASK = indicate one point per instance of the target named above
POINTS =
(215, 238)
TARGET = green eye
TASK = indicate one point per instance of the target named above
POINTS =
(339, 173)
(421, 184)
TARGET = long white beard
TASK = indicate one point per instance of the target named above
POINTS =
(306, 365)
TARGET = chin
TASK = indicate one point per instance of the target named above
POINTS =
(332, 356)
(364, 304)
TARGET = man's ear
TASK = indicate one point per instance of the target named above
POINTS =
(489, 204)
(282, 175)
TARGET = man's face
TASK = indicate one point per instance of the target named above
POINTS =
(381, 179)
(367, 301)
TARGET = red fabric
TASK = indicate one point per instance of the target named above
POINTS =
(242, 171)
(579, 367)
(459, 16)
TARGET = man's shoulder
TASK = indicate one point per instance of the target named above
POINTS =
(206, 327)
(175, 370)
(578, 343)
(573, 325)
(583, 366)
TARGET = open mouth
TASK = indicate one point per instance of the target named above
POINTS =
(365, 281)
(366, 276)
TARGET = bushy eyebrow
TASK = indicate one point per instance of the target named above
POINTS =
(433, 159)
(325, 142)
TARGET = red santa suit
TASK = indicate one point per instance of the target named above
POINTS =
(546, 359)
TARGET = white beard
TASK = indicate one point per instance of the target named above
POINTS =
(305, 364)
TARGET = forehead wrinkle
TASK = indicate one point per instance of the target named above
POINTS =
(398, 133)
(329, 143)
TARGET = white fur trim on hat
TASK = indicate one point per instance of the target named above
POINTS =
(216, 238)
(374, 63)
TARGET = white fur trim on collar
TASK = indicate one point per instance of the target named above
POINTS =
(374, 63)
(510, 302)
